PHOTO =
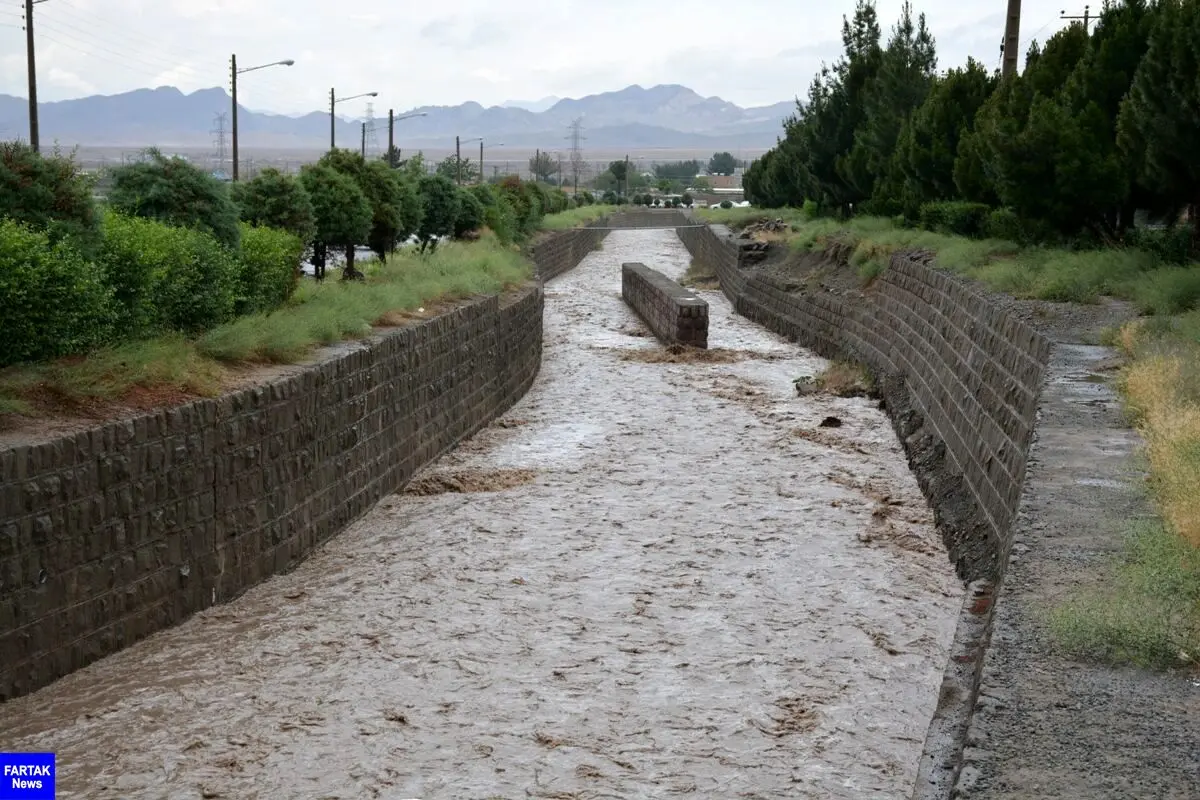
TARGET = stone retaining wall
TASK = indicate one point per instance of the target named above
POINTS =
(562, 251)
(111, 534)
(650, 218)
(961, 379)
(675, 314)
(973, 371)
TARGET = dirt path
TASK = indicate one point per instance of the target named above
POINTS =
(682, 587)
(1046, 725)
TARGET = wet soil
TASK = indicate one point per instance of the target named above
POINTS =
(651, 579)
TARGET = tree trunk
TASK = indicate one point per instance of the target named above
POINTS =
(319, 252)
(349, 273)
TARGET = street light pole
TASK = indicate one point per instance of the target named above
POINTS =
(234, 72)
(391, 139)
(333, 100)
(364, 141)
(457, 161)
(481, 160)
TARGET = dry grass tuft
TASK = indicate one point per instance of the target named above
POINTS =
(700, 276)
(840, 379)
(682, 354)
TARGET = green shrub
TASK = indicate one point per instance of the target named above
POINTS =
(1172, 245)
(955, 216)
(586, 198)
(168, 278)
(1171, 290)
(498, 213)
(270, 268)
(726, 204)
(275, 200)
(49, 193)
(609, 198)
(470, 214)
(442, 201)
(1003, 223)
(52, 301)
(175, 191)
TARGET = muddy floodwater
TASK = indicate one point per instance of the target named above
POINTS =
(652, 578)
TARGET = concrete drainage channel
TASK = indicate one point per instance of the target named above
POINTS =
(678, 582)
(496, 611)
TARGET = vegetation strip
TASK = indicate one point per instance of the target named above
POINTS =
(179, 277)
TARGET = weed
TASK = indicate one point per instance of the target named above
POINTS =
(700, 276)
(575, 217)
(1148, 614)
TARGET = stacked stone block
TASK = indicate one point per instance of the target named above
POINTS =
(675, 314)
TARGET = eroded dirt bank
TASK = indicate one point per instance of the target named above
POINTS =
(682, 585)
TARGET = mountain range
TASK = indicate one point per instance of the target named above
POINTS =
(666, 116)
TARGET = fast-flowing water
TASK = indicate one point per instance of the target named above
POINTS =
(665, 580)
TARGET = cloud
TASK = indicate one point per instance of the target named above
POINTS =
(69, 80)
(761, 52)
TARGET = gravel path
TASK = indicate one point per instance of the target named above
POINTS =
(675, 584)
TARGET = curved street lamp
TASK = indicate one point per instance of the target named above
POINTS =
(332, 119)
(234, 72)
(392, 120)
(497, 144)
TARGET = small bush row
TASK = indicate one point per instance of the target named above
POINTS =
(145, 277)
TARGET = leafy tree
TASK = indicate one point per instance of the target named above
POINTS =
(722, 164)
(442, 204)
(1159, 122)
(703, 184)
(275, 200)
(470, 214)
(396, 208)
(1014, 154)
(678, 170)
(687, 199)
(49, 193)
(177, 192)
(620, 171)
(543, 166)
(906, 71)
(928, 143)
(342, 212)
(391, 157)
(456, 171)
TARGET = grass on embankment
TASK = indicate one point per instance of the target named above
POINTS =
(575, 217)
(1041, 273)
(1147, 611)
(317, 314)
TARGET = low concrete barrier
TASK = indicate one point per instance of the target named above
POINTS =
(675, 314)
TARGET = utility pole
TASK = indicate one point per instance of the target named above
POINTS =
(457, 161)
(332, 128)
(32, 66)
(626, 192)
(1087, 17)
(233, 73)
(481, 160)
(364, 141)
(1010, 49)
(391, 138)
(537, 164)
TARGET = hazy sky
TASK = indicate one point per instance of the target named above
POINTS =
(751, 52)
